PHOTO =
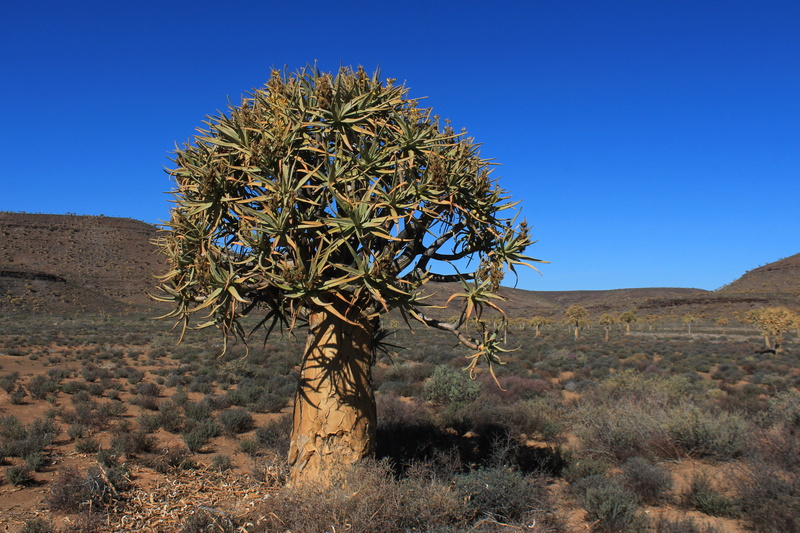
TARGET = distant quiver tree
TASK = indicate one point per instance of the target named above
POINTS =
(324, 201)
(607, 320)
(577, 316)
(628, 317)
(774, 323)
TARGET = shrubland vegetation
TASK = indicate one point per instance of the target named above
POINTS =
(653, 431)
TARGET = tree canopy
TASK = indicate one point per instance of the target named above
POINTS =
(337, 192)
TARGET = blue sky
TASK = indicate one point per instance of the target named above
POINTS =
(651, 143)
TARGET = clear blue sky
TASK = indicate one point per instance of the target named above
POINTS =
(652, 143)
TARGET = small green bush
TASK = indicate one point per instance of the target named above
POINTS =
(221, 462)
(198, 411)
(72, 491)
(625, 429)
(87, 445)
(705, 498)
(19, 475)
(235, 421)
(38, 525)
(699, 433)
(769, 497)
(133, 442)
(18, 396)
(17, 440)
(148, 422)
(76, 431)
(9, 381)
(41, 386)
(650, 482)
(501, 493)
(35, 461)
(195, 439)
(448, 385)
(682, 525)
(169, 417)
(610, 506)
(275, 434)
(249, 446)
(584, 467)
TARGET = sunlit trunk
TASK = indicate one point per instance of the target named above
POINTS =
(334, 411)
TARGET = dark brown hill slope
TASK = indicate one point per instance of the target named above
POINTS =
(64, 263)
(61, 263)
(780, 277)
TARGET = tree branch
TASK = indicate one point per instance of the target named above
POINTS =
(452, 327)
(451, 278)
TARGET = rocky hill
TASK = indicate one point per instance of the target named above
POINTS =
(63, 263)
(780, 277)
(57, 264)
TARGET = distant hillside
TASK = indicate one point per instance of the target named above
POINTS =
(65, 263)
(780, 277)
(664, 302)
(528, 303)
(62, 264)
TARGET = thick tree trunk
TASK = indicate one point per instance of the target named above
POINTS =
(334, 410)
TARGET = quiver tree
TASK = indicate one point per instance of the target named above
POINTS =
(577, 316)
(628, 318)
(537, 321)
(689, 320)
(326, 201)
(607, 320)
(774, 323)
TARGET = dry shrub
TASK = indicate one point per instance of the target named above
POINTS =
(275, 434)
(609, 506)
(622, 430)
(699, 433)
(502, 494)
(85, 523)
(705, 497)
(133, 442)
(649, 481)
(430, 497)
(169, 459)
(38, 525)
(682, 525)
(769, 497)
(367, 500)
(206, 520)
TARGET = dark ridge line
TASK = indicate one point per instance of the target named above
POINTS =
(31, 276)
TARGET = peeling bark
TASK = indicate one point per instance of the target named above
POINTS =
(334, 410)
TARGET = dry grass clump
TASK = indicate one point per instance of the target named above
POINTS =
(370, 498)
(682, 525)
(635, 415)
(704, 496)
(649, 481)
(94, 491)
